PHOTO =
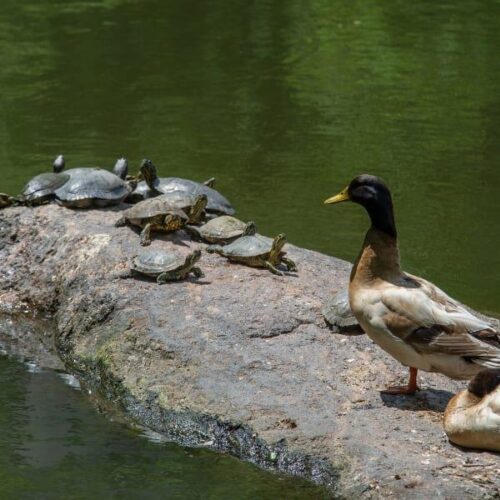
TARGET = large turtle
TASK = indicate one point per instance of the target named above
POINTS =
(92, 187)
(152, 185)
(165, 266)
(157, 214)
(222, 229)
(337, 313)
(256, 251)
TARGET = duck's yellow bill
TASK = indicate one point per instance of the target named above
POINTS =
(342, 196)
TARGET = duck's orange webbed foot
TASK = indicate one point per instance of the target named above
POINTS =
(411, 388)
(400, 389)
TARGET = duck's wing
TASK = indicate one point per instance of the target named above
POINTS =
(429, 320)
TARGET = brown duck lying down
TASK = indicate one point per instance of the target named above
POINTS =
(472, 417)
(409, 317)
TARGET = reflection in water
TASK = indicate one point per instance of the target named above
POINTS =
(53, 444)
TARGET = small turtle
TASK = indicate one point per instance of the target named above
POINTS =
(222, 229)
(256, 251)
(165, 266)
(152, 185)
(193, 206)
(41, 189)
(157, 214)
(337, 313)
(92, 187)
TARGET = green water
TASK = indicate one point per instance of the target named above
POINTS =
(282, 101)
(54, 445)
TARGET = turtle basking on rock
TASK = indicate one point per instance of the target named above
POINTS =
(257, 251)
(337, 313)
(165, 266)
(92, 187)
(222, 229)
(157, 214)
(152, 185)
(41, 188)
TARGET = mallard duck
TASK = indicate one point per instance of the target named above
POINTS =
(407, 316)
(472, 417)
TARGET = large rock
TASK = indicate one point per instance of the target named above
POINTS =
(241, 361)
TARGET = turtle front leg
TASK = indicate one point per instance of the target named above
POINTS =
(198, 273)
(210, 182)
(289, 263)
(271, 268)
(146, 235)
(122, 221)
(165, 278)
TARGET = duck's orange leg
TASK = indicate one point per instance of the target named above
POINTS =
(411, 388)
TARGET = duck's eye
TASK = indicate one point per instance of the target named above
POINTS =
(363, 193)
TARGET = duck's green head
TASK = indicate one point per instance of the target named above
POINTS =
(372, 193)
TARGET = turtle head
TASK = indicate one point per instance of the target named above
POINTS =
(193, 258)
(199, 205)
(5, 200)
(250, 229)
(121, 168)
(148, 173)
(279, 243)
(59, 164)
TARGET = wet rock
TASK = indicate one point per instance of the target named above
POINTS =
(240, 361)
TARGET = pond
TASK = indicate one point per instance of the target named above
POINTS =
(283, 102)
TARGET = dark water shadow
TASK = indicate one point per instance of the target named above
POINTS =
(428, 399)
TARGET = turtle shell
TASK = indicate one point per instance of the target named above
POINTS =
(216, 202)
(154, 262)
(248, 246)
(151, 207)
(222, 228)
(88, 187)
(44, 185)
(337, 313)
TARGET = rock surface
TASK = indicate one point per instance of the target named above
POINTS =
(240, 361)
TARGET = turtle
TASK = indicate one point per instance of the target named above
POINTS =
(193, 206)
(165, 266)
(92, 187)
(41, 188)
(256, 251)
(157, 214)
(222, 229)
(337, 313)
(121, 168)
(152, 185)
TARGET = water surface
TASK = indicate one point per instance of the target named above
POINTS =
(55, 445)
